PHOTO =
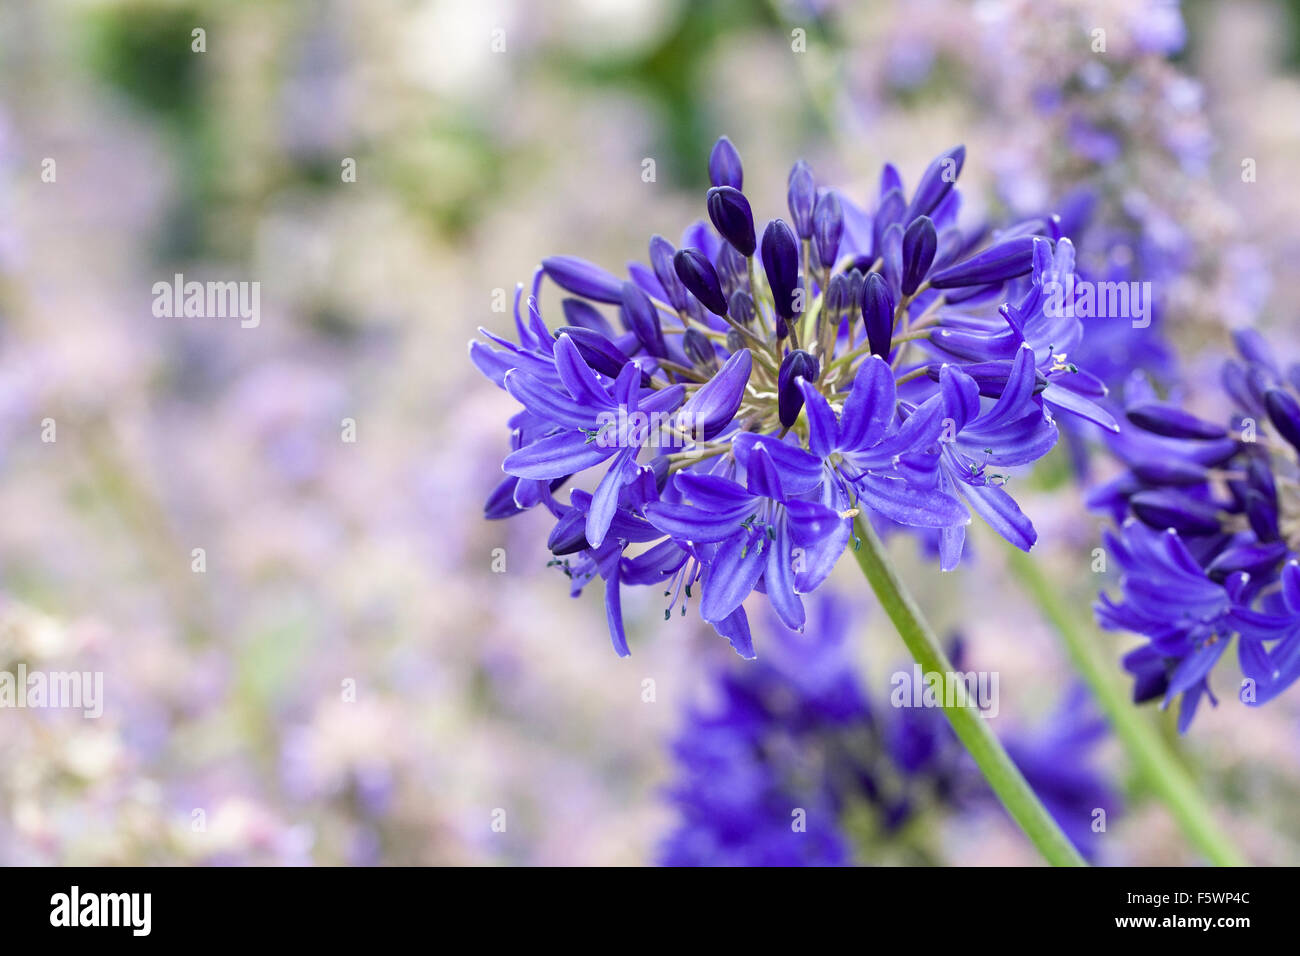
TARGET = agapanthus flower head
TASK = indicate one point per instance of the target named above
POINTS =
(798, 736)
(742, 398)
(1209, 536)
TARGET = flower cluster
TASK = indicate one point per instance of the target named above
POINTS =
(757, 392)
(1208, 536)
(794, 764)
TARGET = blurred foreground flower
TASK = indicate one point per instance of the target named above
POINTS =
(760, 391)
(795, 765)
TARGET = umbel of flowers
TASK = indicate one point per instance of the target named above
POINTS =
(1209, 536)
(712, 424)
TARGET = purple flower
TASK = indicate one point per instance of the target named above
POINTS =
(1206, 546)
(734, 427)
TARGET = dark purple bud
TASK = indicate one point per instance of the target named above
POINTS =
(837, 295)
(991, 377)
(735, 341)
(828, 227)
(936, 182)
(797, 364)
(732, 217)
(584, 315)
(661, 259)
(1284, 413)
(697, 274)
(878, 314)
(919, 244)
(1003, 260)
(1172, 509)
(802, 197)
(891, 209)
(569, 535)
(598, 352)
(1160, 418)
(724, 165)
(583, 278)
(643, 318)
(699, 350)
(781, 263)
(742, 308)
(1172, 472)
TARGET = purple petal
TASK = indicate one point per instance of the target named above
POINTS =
(730, 577)
(1001, 261)
(899, 501)
(583, 278)
(936, 182)
(1002, 513)
(565, 454)
(823, 430)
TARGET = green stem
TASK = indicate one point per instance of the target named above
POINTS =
(972, 729)
(1161, 772)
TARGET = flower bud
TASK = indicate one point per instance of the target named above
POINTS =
(828, 227)
(797, 364)
(802, 197)
(878, 314)
(724, 165)
(732, 217)
(700, 279)
(919, 244)
(781, 264)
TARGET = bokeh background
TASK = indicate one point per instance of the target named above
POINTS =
(366, 671)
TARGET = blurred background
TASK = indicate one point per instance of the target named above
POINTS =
(356, 668)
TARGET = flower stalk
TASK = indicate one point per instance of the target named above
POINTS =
(972, 729)
(1145, 748)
